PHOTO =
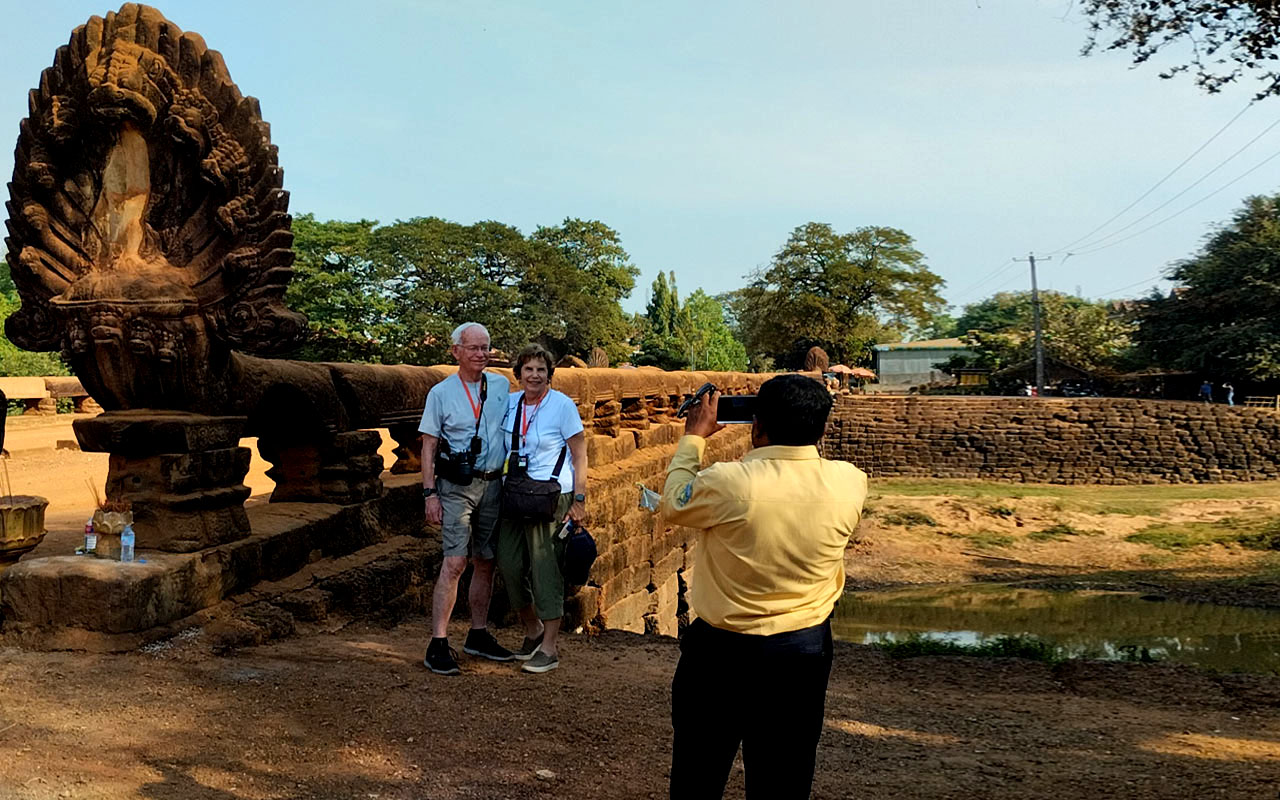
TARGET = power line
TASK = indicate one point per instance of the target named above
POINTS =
(1193, 185)
(1111, 292)
(1239, 177)
(1160, 182)
(1004, 267)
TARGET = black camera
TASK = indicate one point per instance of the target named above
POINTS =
(458, 468)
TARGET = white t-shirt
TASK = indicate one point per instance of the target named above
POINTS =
(449, 415)
(552, 422)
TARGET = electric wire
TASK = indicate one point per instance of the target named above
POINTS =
(1239, 177)
(1158, 183)
(982, 281)
(1091, 246)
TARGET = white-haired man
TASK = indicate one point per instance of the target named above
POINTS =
(462, 449)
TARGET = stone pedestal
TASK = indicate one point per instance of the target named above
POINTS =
(21, 526)
(344, 470)
(181, 473)
(408, 451)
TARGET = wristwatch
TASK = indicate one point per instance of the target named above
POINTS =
(427, 491)
(579, 498)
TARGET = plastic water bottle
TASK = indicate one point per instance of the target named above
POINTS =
(126, 544)
(90, 538)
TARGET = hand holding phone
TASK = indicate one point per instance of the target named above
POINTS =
(702, 415)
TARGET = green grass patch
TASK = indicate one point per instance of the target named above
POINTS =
(908, 517)
(1251, 533)
(1001, 510)
(1131, 500)
(989, 540)
(1028, 647)
(1058, 532)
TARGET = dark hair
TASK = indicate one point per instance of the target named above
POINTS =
(529, 353)
(793, 409)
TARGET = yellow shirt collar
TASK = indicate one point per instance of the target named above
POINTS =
(782, 452)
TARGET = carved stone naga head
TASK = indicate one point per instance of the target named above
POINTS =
(149, 235)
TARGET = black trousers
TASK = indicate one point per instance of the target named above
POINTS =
(765, 693)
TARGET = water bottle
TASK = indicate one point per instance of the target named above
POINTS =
(126, 544)
(90, 538)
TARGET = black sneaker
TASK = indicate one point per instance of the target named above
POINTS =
(481, 643)
(528, 648)
(441, 658)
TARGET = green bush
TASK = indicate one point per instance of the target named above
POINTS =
(908, 517)
(1251, 533)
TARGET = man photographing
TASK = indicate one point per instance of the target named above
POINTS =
(462, 448)
(773, 529)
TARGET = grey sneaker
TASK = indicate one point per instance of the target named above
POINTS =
(527, 649)
(441, 658)
(541, 662)
(481, 643)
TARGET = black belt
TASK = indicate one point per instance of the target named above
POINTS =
(491, 475)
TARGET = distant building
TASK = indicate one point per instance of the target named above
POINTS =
(912, 363)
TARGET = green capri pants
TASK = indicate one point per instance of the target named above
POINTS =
(529, 555)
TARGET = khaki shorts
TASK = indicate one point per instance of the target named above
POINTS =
(469, 521)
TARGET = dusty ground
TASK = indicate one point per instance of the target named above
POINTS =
(354, 715)
(351, 713)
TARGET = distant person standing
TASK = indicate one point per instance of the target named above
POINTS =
(1231, 393)
(1206, 392)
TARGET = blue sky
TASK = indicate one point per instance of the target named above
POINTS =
(705, 132)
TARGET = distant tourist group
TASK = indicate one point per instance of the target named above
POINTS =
(504, 476)
(1206, 393)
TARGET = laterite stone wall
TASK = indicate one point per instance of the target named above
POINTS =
(1055, 440)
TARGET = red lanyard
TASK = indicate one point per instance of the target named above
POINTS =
(528, 418)
(475, 407)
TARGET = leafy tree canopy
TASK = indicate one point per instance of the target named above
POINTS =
(1223, 40)
(842, 292)
(1001, 333)
(15, 361)
(393, 293)
(1225, 320)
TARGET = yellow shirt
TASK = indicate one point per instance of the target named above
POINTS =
(774, 530)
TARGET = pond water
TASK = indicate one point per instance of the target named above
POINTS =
(1106, 625)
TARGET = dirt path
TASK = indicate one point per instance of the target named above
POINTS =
(353, 714)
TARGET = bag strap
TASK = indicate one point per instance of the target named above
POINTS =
(484, 395)
(555, 475)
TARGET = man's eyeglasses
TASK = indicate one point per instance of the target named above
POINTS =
(474, 348)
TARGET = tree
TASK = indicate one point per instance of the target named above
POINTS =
(1228, 39)
(335, 284)
(573, 300)
(1224, 319)
(710, 342)
(394, 293)
(15, 361)
(841, 292)
(1000, 332)
(660, 341)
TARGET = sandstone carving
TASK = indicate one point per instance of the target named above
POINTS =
(148, 230)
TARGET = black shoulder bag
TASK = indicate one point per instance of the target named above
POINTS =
(523, 497)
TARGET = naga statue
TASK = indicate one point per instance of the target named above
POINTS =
(148, 228)
(150, 242)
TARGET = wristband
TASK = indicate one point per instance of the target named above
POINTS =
(580, 498)
(428, 491)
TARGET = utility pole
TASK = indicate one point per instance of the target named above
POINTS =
(1035, 316)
